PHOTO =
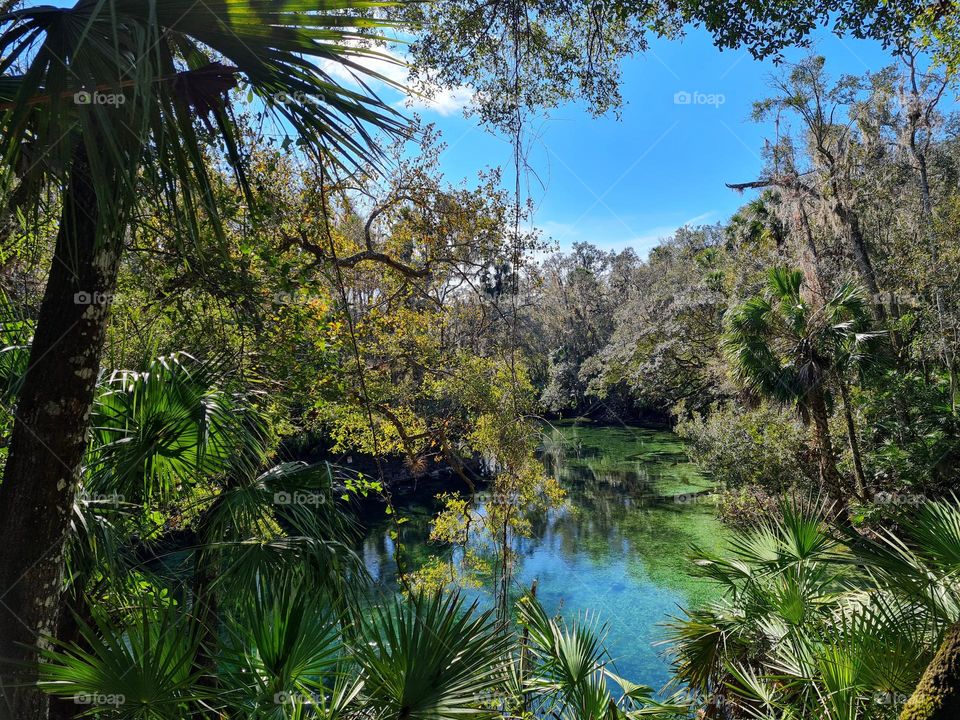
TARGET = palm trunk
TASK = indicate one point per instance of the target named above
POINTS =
(860, 477)
(49, 438)
(937, 695)
(829, 477)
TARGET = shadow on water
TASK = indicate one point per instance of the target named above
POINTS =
(620, 550)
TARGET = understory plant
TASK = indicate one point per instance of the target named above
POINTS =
(814, 621)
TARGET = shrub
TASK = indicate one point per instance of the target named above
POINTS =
(742, 448)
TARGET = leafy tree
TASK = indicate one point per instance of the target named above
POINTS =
(577, 295)
(829, 135)
(667, 325)
(539, 56)
(749, 447)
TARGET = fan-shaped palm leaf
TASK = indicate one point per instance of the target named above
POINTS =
(142, 671)
(431, 658)
(285, 651)
(168, 426)
(922, 560)
(166, 63)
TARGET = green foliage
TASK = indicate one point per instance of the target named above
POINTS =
(394, 315)
(668, 315)
(913, 434)
(742, 447)
(781, 346)
(167, 426)
(166, 65)
(145, 671)
(571, 675)
(808, 628)
(428, 658)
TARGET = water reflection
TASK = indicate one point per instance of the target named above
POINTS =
(619, 550)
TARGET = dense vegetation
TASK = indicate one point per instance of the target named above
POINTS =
(235, 303)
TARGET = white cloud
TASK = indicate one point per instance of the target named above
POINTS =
(445, 102)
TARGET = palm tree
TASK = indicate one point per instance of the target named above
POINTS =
(105, 102)
(250, 603)
(172, 437)
(290, 656)
(431, 657)
(783, 348)
(805, 627)
(827, 623)
(570, 672)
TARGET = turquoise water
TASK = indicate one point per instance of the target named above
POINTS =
(620, 551)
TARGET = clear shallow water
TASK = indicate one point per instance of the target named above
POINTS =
(620, 551)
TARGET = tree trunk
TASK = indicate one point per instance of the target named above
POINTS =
(809, 260)
(829, 477)
(860, 477)
(73, 604)
(953, 387)
(948, 351)
(937, 695)
(49, 438)
(858, 246)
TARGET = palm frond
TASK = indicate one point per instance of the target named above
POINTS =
(113, 88)
(430, 658)
(168, 426)
(139, 671)
(284, 650)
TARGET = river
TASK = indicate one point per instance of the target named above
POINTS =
(620, 551)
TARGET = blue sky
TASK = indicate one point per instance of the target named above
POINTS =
(662, 165)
